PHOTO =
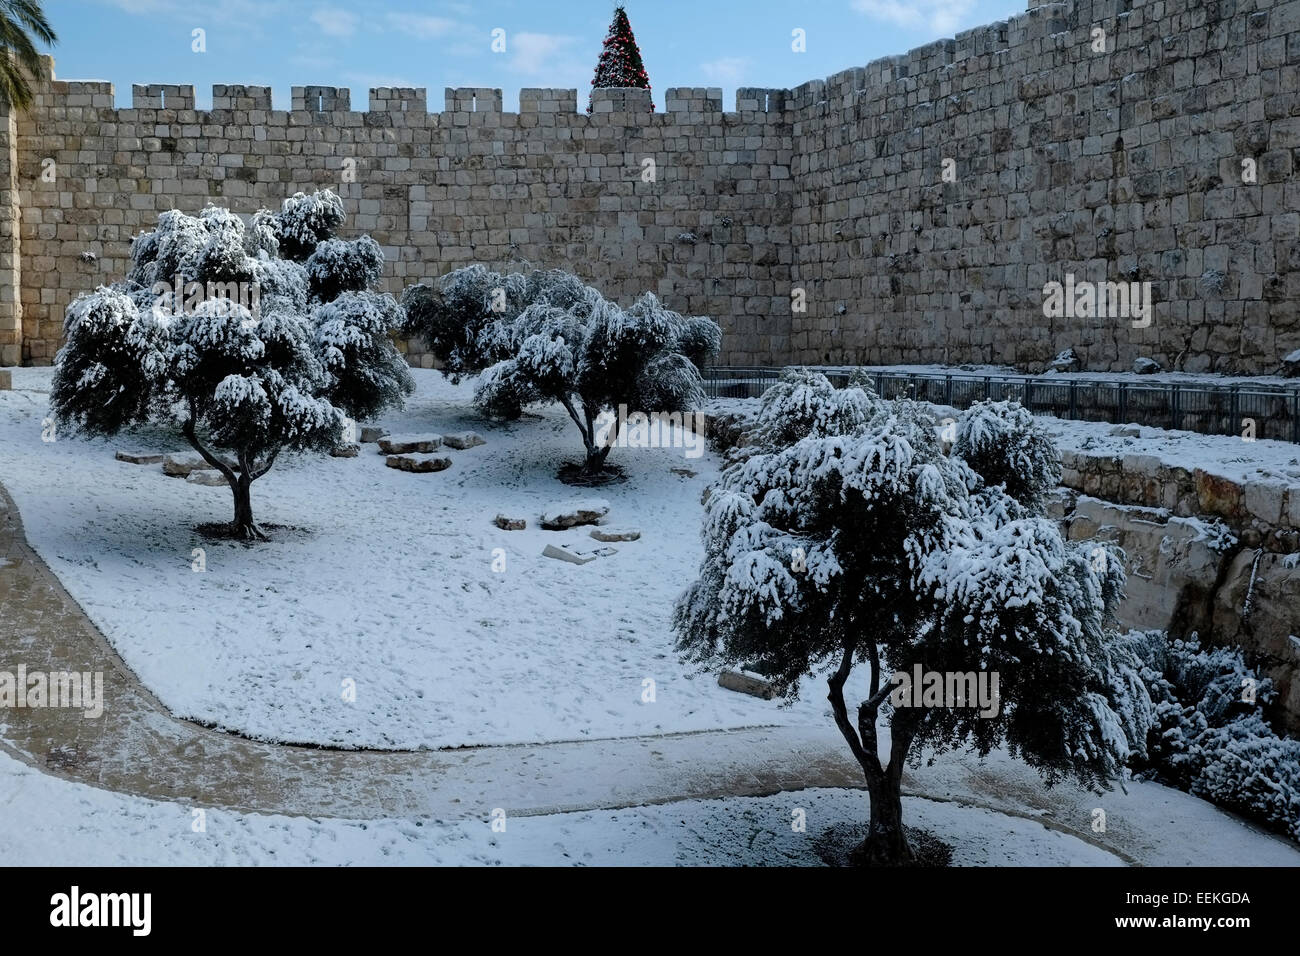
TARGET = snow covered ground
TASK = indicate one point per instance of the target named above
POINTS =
(384, 578)
(387, 578)
(48, 821)
(1227, 456)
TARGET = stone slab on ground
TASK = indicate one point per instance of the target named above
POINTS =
(749, 684)
(210, 477)
(615, 534)
(372, 433)
(345, 451)
(419, 463)
(409, 444)
(463, 440)
(6, 380)
(180, 465)
(141, 457)
(568, 553)
(506, 523)
(569, 514)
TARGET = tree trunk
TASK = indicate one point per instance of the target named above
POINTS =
(886, 843)
(595, 463)
(596, 454)
(244, 526)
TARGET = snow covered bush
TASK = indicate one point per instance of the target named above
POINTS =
(700, 340)
(305, 220)
(337, 266)
(462, 316)
(545, 336)
(847, 537)
(1210, 736)
(593, 357)
(1005, 446)
(238, 349)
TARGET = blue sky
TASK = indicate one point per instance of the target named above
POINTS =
(365, 43)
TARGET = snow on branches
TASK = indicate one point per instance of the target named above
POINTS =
(1005, 446)
(547, 337)
(305, 219)
(1210, 736)
(246, 351)
(846, 536)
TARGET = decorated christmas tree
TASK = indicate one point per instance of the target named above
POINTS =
(620, 61)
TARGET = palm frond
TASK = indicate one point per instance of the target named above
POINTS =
(19, 57)
(30, 15)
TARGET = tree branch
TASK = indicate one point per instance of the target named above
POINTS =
(869, 762)
(270, 460)
(903, 732)
(188, 431)
(586, 436)
(875, 700)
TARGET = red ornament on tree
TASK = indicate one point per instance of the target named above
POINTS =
(620, 61)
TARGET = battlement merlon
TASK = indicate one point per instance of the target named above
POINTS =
(82, 93)
(160, 96)
(693, 99)
(399, 99)
(548, 101)
(321, 99)
(241, 97)
(620, 100)
(756, 100)
(472, 99)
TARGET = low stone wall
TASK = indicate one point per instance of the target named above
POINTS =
(1190, 575)
(1265, 513)
(1206, 554)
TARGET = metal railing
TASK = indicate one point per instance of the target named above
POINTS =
(1204, 407)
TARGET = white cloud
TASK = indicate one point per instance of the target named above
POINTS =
(537, 53)
(943, 17)
(335, 22)
(422, 27)
(728, 69)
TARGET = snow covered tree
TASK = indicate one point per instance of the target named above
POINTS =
(620, 59)
(573, 346)
(847, 537)
(462, 316)
(239, 349)
(545, 336)
(1005, 445)
(305, 220)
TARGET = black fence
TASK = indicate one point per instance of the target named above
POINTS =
(1272, 411)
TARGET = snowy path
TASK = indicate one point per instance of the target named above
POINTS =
(137, 748)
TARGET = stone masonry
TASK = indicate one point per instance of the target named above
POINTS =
(817, 225)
